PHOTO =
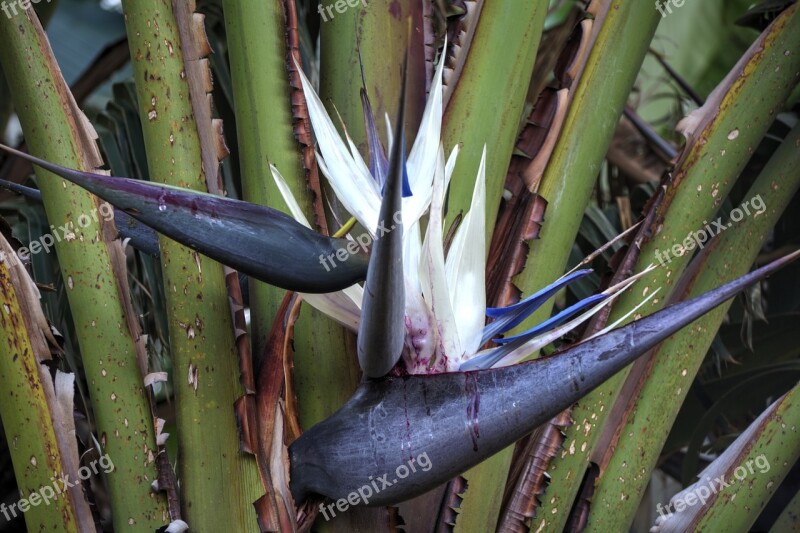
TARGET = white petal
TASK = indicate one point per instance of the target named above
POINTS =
(422, 332)
(351, 182)
(432, 271)
(412, 251)
(389, 133)
(288, 197)
(424, 152)
(466, 268)
(357, 159)
(340, 306)
(422, 159)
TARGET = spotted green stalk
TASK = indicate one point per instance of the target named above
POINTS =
(324, 367)
(654, 408)
(93, 269)
(206, 371)
(723, 145)
(38, 449)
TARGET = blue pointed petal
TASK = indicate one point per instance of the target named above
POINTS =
(406, 184)
(556, 320)
(549, 290)
(511, 316)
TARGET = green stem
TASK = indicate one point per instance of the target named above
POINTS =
(719, 151)
(93, 268)
(30, 411)
(488, 100)
(211, 467)
(769, 457)
(567, 183)
(654, 407)
(325, 374)
(572, 171)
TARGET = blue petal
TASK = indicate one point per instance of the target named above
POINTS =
(513, 315)
(556, 320)
(549, 290)
(406, 184)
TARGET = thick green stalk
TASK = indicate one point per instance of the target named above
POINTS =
(93, 268)
(770, 456)
(29, 411)
(45, 12)
(379, 32)
(572, 171)
(256, 34)
(653, 409)
(721, 147)
(324, 366)
(211, 467)
(488, 99)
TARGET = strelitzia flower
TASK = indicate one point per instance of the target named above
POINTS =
(445, 294)
(433, 343)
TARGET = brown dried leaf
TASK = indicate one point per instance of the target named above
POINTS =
(531, 478)
(446, 521)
